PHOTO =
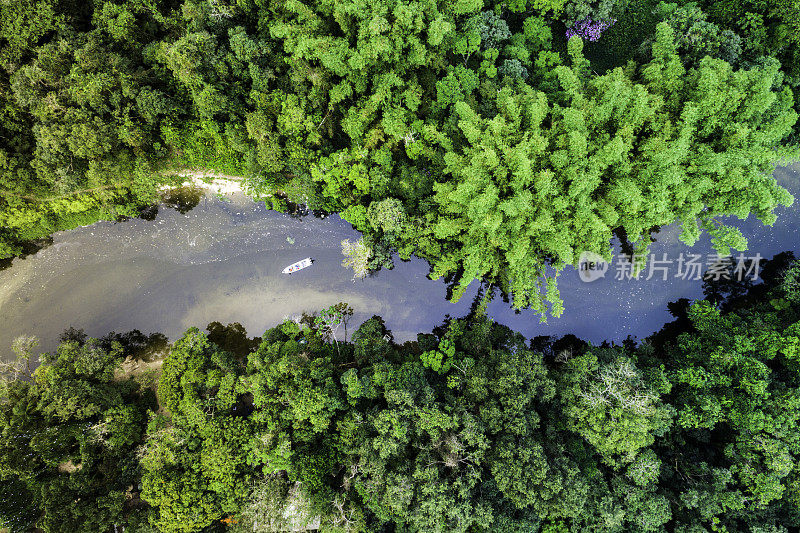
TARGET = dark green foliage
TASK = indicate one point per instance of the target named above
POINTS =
(68, 441)
(195, 459)
(470, 134)
(697, 38)
(575, 10)
(628, 38)
(461, 132)
(81, 111)
(470, 428)
(681, 431)
(493, 29)
(17, 510)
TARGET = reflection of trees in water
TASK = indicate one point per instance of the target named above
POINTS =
(183, 199)
(558, 349)
(727, 291)
(147, 347)
(149, 212)
(629, 248)
(280, 201)
(28, 248)
(232, 338)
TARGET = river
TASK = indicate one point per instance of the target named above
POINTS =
(222, 261)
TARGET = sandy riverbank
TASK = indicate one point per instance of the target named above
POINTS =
(210, 181)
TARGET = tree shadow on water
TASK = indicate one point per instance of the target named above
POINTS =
(183, 199)
(232, 338)
(28, 248)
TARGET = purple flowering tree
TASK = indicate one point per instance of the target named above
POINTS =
(589, 29)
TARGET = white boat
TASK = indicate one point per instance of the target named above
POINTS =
(300, 265)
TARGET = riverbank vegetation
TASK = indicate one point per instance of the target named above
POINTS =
(469, 133)
(469, 428)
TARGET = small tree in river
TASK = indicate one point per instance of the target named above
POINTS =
(357, 257)
(329, 320)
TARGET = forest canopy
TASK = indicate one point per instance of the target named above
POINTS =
(496, 140)
(469, 428)
(472, 134)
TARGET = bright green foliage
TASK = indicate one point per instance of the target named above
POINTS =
(25, 218)
(291, 386)
(768, 29)
(461, 132)
(552, 8)
(441, 359)
(296, 395)
(543, 180)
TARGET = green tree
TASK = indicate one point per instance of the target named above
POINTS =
(609, 402)
(68, 439)
(195, 459)
(546, 178)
